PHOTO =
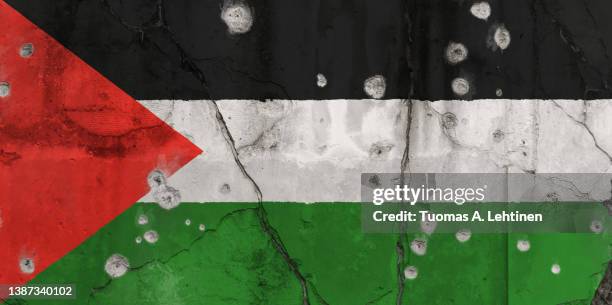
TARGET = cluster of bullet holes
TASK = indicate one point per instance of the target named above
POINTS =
(239, 17)
(26, 50)
(166, 196)
(456, 52)
(374, 87)
(418, 246)
(150, 236)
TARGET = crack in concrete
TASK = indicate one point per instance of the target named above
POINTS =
(377, 299)
(572, 187)
(603, 294)
(405, 162)
(260, 138)
(585, 126)
(399, 248)
(399, 265)
(568, 39)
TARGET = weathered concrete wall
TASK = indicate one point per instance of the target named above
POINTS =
(314, 151)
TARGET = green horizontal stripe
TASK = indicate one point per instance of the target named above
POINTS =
(234, 262)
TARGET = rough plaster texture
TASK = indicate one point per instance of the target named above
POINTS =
(314, 151)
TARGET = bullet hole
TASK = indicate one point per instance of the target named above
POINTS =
(116, 265)
(411, 272)
(379, 149)
(321, 80)
(502, 37)
(498, 136)
(456, 53)
(26, 50)
(26, 265)
(151, 236)
(555, 269)
(5, 89)
(460, 86)
(498, 37)
(419, 246)
(463, 235)
(449, 120)
(375, 86)
(428, 227)
(552, 196)
(143, 219)
(201, 227)
(523, 245)
(499, 92)
(596, 226)
(374, 181)
(187, 222)
(138, 239)
(524, 154)
(225, 188)
(238, 16)
(481, 10)
(156, 179)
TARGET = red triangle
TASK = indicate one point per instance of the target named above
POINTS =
(75, 150)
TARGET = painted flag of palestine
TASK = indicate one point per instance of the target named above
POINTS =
(210, 151)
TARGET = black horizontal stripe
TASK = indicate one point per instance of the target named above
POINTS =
(156, 49)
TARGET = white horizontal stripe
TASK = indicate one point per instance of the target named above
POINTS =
(315, 151)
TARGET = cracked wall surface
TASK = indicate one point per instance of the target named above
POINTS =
(291, 148)
(273, 93)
